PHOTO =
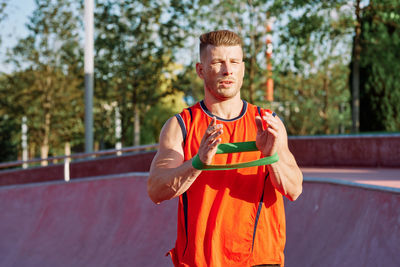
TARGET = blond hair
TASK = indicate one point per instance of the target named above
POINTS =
(219, 38)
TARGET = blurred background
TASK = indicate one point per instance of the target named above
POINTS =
(326, 67)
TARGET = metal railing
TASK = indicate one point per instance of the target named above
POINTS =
(68, 158)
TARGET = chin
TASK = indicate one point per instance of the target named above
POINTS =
(224, 94)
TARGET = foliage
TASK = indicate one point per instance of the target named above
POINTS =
(157, 115)
(8, 145)
(188, 82)
(140, 40)
(9, 128)
(144, 65)
(319, 99)
(312, 66)
(380, 67)
(313, 40)
(46, 86)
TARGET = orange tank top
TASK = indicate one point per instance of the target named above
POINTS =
(228, 218)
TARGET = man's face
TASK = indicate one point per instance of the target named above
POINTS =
(222, 69)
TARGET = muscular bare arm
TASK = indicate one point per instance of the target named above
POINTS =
(169, 175)
(285, 175)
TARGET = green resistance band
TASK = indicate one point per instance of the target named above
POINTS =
(234, 148)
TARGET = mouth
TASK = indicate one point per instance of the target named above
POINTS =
(226, 83)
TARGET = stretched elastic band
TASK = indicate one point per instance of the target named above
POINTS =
(234, 148)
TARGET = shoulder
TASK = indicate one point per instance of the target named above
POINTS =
(174, 130)
(170, 133)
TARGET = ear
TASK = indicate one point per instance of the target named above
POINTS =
(199, 70)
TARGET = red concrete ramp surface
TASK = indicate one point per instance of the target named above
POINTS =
(110, 221)
(340, 223)
(91, 222)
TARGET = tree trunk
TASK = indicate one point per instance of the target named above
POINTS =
(326, 105)
(251, 79)
(44, 148)
(355, 79)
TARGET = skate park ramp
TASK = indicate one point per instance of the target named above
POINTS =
(110, 221)
(341, 223)
(104, 221)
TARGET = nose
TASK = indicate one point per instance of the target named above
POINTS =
(226, 69)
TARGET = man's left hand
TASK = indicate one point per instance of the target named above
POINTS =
(268, 140)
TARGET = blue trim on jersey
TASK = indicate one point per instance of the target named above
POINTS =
(183, 127)
(260, 204)
(205, 109)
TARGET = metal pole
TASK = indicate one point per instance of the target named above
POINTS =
(89, 66)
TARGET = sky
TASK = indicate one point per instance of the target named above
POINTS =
(13, 27)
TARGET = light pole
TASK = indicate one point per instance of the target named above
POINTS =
(269, 94)
(89, 66)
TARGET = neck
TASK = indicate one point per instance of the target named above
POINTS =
(226, 109)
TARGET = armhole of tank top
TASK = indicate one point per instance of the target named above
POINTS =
(259, 111)
(183, 127)
(190, 113)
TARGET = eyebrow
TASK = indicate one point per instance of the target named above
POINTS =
(219, 59)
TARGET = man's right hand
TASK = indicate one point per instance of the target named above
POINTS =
(170, 176)
(210, 141)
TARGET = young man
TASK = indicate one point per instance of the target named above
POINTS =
(230, 217)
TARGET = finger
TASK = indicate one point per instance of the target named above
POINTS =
(259, 124)
(272, 115)
(212, 122)
(217, 130)
(213, 126)
(215, 143)
(271, 121)
(210, 126)
(272, 132)
(214, 136)
(206, 155)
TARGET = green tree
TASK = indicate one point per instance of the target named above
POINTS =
(380, 67)
(9, 128)
(135, 44)
(312, 41)
(46, 86)
(8, 145)
(312, 66)
(165, 108)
